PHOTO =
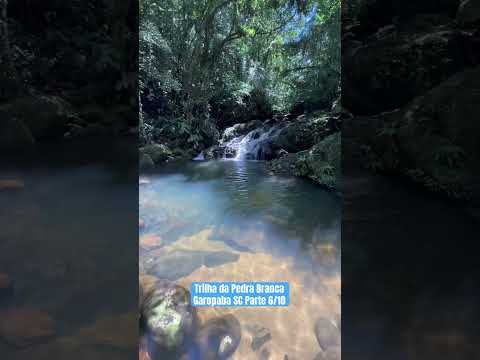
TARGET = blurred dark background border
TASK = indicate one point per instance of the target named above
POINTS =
(68, 179)
(410, 153)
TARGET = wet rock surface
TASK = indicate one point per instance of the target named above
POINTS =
(218, 338)
(167, 318)
(432, 140)
(170, 327)
(179, 263)
(321, 163)
(273, 138)
(157, 153)
(150, 241)
(327, 334)
(404, 60)
(408, 78)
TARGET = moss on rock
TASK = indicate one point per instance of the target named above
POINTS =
(321, 163)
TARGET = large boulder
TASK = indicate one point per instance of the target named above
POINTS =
(219, 338)
(321, 163)
(434, 139)
(303, 133)
(402, 61)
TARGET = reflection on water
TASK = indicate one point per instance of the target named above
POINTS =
(233, 221)
(67, 239)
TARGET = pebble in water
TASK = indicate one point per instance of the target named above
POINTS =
(327, 334)
(219, 338)
(260, 337)
(150, 241)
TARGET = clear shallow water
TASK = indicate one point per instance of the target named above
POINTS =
(233, 221)
(67, 239)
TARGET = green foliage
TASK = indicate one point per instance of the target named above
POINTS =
(194, 53)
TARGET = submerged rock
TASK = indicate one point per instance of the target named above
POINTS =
(260, 337)
(327, 334)
(150, 241)
(25, 327)
(167, 317)
(180, 263)
(219, 338)
(333, 353)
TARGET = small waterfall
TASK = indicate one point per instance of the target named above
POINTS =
(256, 145)
(199, 157)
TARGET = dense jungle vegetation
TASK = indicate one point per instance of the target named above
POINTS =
(209, 64)
(68, 70)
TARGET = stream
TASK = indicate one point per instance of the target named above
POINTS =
(232, 220)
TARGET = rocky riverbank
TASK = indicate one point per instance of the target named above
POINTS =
(409, 77)
(307, 145)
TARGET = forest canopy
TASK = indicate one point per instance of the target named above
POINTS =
(207, 63)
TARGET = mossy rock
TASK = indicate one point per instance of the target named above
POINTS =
(167, 317)
(321, 163)
(433, 140)
(158, 153)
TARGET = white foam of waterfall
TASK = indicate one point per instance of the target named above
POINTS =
(199, 157)
(248, 146)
